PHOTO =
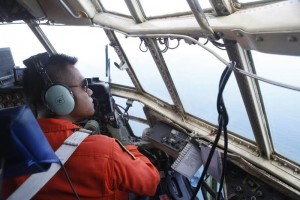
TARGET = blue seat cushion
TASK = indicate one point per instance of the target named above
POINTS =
(23, 144)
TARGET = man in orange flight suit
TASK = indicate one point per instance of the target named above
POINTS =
(100, 168)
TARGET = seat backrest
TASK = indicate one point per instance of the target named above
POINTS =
(23, 144)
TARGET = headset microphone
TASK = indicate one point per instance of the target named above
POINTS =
(93, 126)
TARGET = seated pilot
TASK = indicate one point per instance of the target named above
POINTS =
(100, 168)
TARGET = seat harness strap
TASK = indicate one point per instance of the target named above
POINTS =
(36, 181)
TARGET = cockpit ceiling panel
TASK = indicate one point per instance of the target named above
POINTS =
(13, 11)
(67, 12)
(60, 11)
(272, 28)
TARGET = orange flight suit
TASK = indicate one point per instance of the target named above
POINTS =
(98, 169)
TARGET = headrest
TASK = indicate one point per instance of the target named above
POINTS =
(23, 145)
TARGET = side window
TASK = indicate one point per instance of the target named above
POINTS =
(21, 41)
(281, 104)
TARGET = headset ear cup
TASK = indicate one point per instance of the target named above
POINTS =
(59, 99)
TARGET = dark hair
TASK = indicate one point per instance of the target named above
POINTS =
(56, 68)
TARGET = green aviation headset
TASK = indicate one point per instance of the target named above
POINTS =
(57, 97)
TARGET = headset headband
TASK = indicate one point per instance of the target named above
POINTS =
(39, 62)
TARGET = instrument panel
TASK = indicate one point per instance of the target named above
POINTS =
(242, 186)
(168, 139)
(11, 97)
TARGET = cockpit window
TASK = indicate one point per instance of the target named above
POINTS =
(135, 111)
(196, 75)
(251, 1)
(164, 7)
(118, 6)
(21, 41)
(144, 67)
(278, 100)
(89, 49)
(243, 4)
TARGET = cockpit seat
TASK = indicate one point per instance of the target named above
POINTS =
(23, 147)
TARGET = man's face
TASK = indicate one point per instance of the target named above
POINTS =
(84, 106)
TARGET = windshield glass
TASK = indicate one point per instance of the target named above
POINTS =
(281, 104)
(196, 75)
(89, 49)
(136, 111)
(144, 67)
(10, 37)
(163, 7)
(118, 6)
